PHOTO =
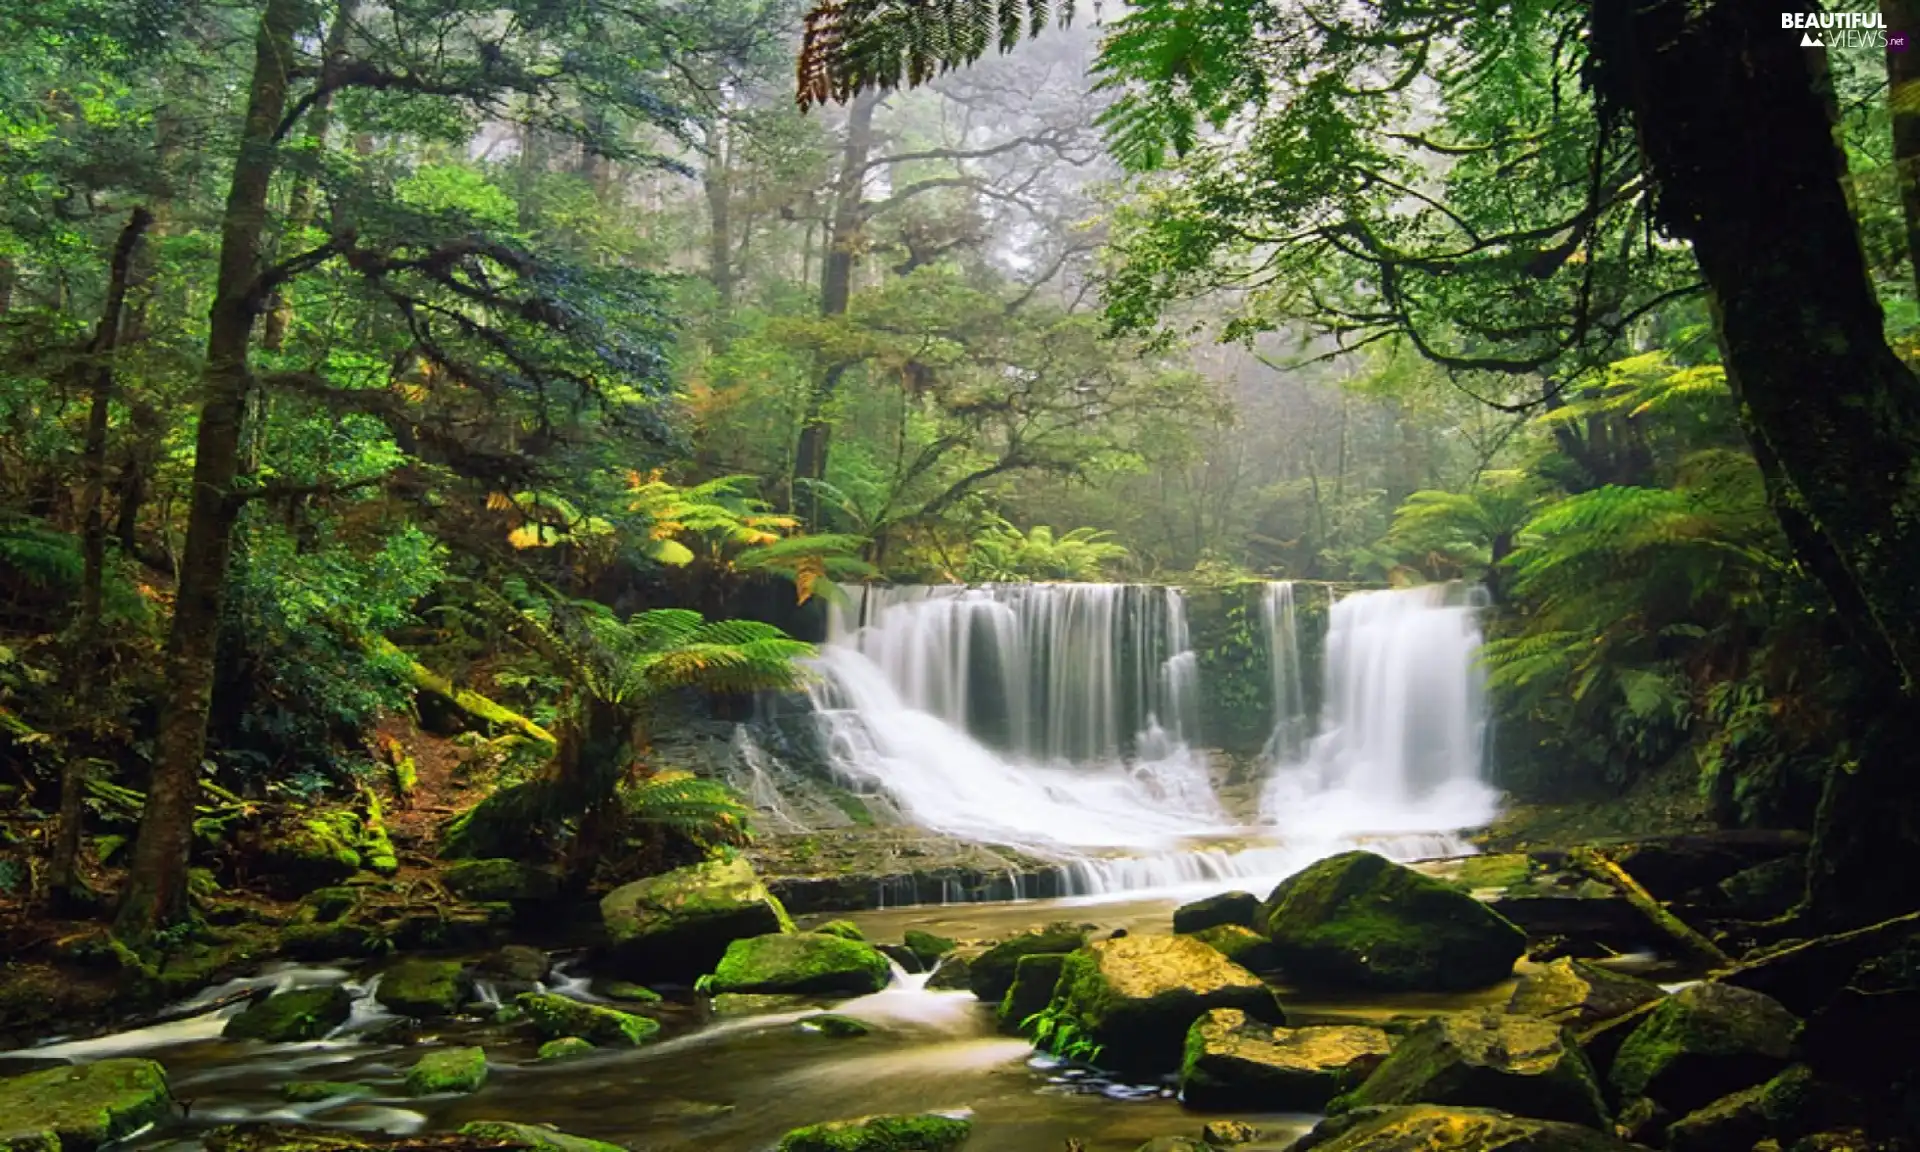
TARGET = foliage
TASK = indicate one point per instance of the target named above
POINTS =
(1003, 553)
(1056, 1031)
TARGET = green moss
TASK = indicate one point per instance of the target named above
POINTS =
(85, 1105)
(563, 1048)
(535, 1136)
(636, 993)
(556, 1016)
(1243, 946)
(855, 808)
(1498, 871)
(990, 974)
(833, 1024)
(880, 1134)
(801, 962)
(295, 1015)
(1513, 1063)
(731, 1004)
(1233, 1063)
(494, 880)
(376, 849)
(326, 905)
(845, 929)
(330, 941)
(448, 1070)
(1703, 1042)
(677, 925)
(310, 1091)
(1034, 979)
(424, 988)
(1137, 997)
(926, 945)
(1242, 908)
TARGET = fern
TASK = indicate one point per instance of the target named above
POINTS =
(1003, 553)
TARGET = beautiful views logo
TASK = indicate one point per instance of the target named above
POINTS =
(1843, 30)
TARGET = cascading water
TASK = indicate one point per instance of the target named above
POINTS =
(1402, 729)
(1291, 724)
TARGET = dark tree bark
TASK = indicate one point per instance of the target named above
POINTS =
(1732, 117)
(156, 891)
(63, 875)
(1903, 70)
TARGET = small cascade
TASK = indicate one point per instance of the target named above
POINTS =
(1292, 726)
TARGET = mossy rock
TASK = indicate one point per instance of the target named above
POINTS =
(500, 880)
(555, 1016)
(734, 1004)
(1431, 1128)
(845, 929)
(535, 1136)
(83, 1106)
(330, 941)
(1494, 873)
(1764, 890)
(1232, 1063)
(1228, 1133)
(1358, 920)
(1241, 908)
(1701, 1043)
(326, 905)
(1137, 996)
(833, 1024)
(563, 1048)
(1571, 992)
(313, 1091)
(1487, 1060)
(448, 1070)
(520, 963)
(1243, 946)
(424, 988)
(954, 971)
(677, 926)
(990, 973)
(319, 851)
(295, 1015)
(632, 993)
(880, 1134)
(1736, 1121)
(926, 945)
(1601, 1041)
(1173, 1144)
(801, 962)
(1034, 978)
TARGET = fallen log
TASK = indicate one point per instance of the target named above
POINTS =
(1804, 974)
(425, 679)
(1603, 869)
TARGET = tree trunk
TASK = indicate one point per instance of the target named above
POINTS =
(156, 891)
(300, 203)
(63, 875)
(716, 180)
(1733, 122)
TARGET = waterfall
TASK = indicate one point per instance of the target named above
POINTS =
(1402, 726)
(1290, 719)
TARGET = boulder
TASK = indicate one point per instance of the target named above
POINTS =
(1762, 891)
(1137, 996)
(926, 945)
(677, 925)
(1358, 920)
(845, 929)
(928, 1133)
(1671, 866)
(1577, 994)
(312, 1091)
(907, 958)
(632, 993)
(990, 973)
(1703, 1042)
(301, 855)
(1487, 1060)
(564, 1048)
(1243, 946)
(294, 1015)
(80, 1107)
(748, 1004)
(954, 971)
(520, 963)
(555, 1016)
(487, 881)
(448, 1070)
(1238, 908)
(1227, 1133)
(538, 1137)
(1736, 1121)
(424, 988)
(1236, 1064)
(1429, 1128)
(833, 1024)
(801, 962)
(1601, 1042)
(1034, 979)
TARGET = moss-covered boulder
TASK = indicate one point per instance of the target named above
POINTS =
(632, 993)
(295, 1015)
(733, 1004)
(1034, 979)
(448, 1070)
(1137, 996)
(1243, 946)
(78, 1108)
(928, 1133)
(1358, 920)
(1736, 1121)
(517, 964)
(315, 851)
(1601, 1041)
(833, 1024)
(954, 971)
(310, 1091)
(990, 973)
(1487, 1060)
(676, 926)
(1238, 908)
(424, 988)
(555, 1016)
(511, 881)
(1234, 1064)
(845, 929)
(1703, 1042)
(566, 1047)
(926, 945)
(326, 905)
(1575, 993)
(801, 962)
(538, 1137)
(1228, 1133)
(1430, 1128)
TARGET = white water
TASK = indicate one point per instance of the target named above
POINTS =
(1292, 726)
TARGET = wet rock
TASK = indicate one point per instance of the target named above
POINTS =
(1703, 1042)
(1511, 1063)
(1601, 1041)
(631, 992)
(676, 926)
(690, 1111)
(833, 1024)
(1576, 994)
(80, 1107)
(424, 988)
(926, 945)
(291, 1016)
(904, 956)
(1243, 946)
(1429, 1128)
(1238, 908)
(538, 1137)
(748, 1004)
(311, 1091)
(954, 972)
(487, 881)
(1358, 920)
(448, 1070)
(1236, 1064)
(801, 962)
(1643, 1121)
(1736, 1121)
(1137, 997)
(1227, 1133)
(298, 856)
(520, 963)
(1034, 979)
(563, 1048)
(334, 941)
(555, 1016)
(845, 929)
(927, 1133)
(991, 972)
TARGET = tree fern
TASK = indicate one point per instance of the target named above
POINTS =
(1004, 553)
